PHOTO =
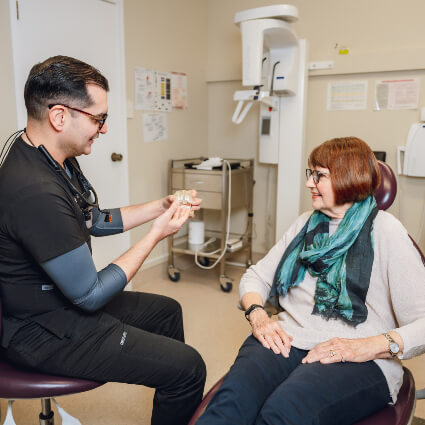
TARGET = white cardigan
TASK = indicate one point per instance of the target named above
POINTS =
(395, 299)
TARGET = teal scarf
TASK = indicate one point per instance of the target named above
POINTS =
(342, 263)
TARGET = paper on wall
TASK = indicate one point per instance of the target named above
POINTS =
(152, 90)
(401, 93)
(347, 95)
(144, 89)
(163, 91)
(155, 127)
(179, 90)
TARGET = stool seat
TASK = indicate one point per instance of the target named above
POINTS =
(23, 383)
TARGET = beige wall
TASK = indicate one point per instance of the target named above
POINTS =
(371, 29)
(166, 36)
(384, 40)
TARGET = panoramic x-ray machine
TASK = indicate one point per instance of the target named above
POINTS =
(274, 65)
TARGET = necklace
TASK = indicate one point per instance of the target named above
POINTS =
(28, 137)
(42, 148)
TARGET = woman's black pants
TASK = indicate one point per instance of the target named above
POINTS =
(137, 339)
(264, 388)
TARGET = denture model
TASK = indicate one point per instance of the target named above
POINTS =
(185, 199)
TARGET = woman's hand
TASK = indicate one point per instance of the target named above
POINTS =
(348, 350)
(269, 333)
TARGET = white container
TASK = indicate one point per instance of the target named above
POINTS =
(196, 232)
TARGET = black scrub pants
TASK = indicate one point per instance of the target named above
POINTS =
(264, 388)
(137, 339)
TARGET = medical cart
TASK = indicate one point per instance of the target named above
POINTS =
(213, 188)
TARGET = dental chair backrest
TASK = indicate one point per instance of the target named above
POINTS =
(386, 193)
(387, 190)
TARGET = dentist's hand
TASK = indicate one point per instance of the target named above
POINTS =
(196, 202)
(170, 222)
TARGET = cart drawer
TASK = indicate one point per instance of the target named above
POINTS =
(211, 200)
(202, 182)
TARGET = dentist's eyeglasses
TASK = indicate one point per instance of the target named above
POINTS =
(99, 119)
(316, 175)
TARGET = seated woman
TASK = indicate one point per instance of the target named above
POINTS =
(350, 287)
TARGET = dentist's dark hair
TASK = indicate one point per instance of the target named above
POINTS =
(60, 80)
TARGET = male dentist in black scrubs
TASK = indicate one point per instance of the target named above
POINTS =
(61, 315)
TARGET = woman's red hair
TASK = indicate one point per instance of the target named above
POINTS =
(353, 168)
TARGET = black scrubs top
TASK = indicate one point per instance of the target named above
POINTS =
(39, 220)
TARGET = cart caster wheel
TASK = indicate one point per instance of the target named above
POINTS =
(204, 261)
(227, 287)
(173, 274)
(175, 277)
(226, 283)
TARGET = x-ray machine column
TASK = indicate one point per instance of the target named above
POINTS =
(275, 66)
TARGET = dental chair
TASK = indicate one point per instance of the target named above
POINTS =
(21, 384)
(402, 412)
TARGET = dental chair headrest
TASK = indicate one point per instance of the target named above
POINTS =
(387, 190)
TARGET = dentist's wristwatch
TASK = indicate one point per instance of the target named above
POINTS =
(393, 347)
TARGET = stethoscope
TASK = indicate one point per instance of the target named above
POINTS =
(86, 200)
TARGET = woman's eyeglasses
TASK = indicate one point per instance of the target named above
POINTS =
(316, 175)
(99, 119)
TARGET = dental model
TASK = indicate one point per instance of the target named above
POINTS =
(185, 199)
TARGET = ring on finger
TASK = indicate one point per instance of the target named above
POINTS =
(332, 353)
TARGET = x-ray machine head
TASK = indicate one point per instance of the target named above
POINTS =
(274, 64)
